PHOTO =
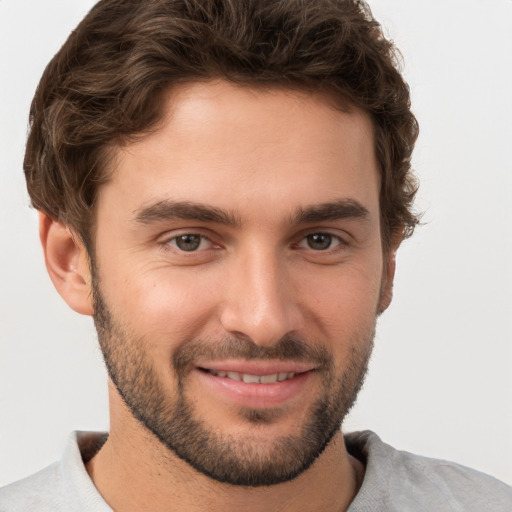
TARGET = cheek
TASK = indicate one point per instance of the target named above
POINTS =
(345, 302)
(166, 307)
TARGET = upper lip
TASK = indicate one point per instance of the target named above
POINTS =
(257, 367)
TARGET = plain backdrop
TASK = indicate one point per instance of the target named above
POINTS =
(440, 380)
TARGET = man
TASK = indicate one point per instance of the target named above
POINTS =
(223, 186)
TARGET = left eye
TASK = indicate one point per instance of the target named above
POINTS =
(189, 242)
(320, 241)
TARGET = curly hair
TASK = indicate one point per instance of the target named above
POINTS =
(106, 86)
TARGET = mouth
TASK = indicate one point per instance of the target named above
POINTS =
(258, 384)
(249, 378)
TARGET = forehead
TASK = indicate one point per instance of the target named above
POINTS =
(239, 148)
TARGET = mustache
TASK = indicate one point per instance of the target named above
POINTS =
(288, 348)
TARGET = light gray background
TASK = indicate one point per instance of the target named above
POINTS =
(440, 381)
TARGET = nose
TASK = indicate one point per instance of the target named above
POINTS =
(261, 302)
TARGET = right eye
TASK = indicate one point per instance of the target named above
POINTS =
(190, 242)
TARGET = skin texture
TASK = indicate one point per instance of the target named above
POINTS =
(266, 163)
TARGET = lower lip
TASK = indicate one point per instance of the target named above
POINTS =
(252, 395)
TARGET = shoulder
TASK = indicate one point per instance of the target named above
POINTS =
(43, 491)
(399, 480)
(62, 486)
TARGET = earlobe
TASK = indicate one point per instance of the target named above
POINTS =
(67, 264)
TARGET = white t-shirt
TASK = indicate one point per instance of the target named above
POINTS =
(394, 481)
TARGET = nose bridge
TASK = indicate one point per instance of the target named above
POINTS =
(260, 301)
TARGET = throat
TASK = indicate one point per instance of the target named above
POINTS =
(128, 485)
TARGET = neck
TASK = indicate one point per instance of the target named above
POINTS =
(133, 471)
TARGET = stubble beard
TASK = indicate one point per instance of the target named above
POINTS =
(222, 457)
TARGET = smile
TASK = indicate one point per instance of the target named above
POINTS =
(254, 379)
(255, 384)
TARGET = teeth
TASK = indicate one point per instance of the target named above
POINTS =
(250, 379)
(254, 379)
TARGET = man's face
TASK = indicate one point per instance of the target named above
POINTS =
(238, 274)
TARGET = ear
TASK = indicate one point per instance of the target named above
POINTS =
(386, 291)
(67, 263)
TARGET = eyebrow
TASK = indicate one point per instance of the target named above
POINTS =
(335, 210)
(185, 210)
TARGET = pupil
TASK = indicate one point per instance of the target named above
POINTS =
(319, 241)
(188, 242)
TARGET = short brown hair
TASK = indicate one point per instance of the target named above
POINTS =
(106, 86)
